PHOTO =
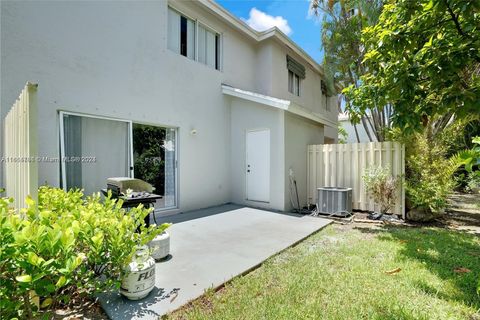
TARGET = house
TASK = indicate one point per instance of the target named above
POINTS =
(344, 122)
(179, 93)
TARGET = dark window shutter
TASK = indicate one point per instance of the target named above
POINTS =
(295, 67)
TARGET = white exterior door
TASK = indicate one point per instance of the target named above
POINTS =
(258, 165)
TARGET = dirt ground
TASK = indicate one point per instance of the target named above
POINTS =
(84, 309)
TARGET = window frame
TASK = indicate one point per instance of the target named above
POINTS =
(324, 91)
(63, 179)
(294, 81)
(218, 44)
(218, 40)
(187, 17)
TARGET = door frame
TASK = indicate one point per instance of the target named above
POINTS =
(167, 210)
(62, 142)
(130, 153)
(246, 162)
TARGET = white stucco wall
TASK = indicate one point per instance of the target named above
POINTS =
(352, 137)
(299, 133)
(245, 116)
(111, 59)
(118, 67)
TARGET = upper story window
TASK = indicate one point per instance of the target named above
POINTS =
(193, 40)
(296, 72)
(324, 88)
(208, 47)
(181, 34)
(293, 83)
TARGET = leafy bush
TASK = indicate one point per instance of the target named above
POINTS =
(473, 181)
(381, 186)
(428, 174)
(468, 177)
(471, 157)
(63, 246)
(342, 134)
(149, 155)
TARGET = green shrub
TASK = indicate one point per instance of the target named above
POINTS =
(470, 157)
(473, 181)
(381, 186)
(428, 174)
(64, 246)
(342, 134)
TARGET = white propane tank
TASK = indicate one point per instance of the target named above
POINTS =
(139, 277)
(160, 246)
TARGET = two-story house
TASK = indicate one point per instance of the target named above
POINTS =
(179, 93)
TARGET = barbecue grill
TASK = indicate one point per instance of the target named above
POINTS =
(133, 192)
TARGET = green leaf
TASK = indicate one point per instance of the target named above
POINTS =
(76, 226)
(46, 303)
(35, 260)
(78, 260)
(61, 282)
(32, 258)
(97, 239)
(68, 238)
(428, 6)
(48, 262)
(29, 201)
(24, 278)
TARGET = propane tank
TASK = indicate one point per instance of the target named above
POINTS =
(139, 277)
(160, 246)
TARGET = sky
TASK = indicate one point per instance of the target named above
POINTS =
(290, 16)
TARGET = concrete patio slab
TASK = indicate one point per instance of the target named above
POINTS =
(208, 248)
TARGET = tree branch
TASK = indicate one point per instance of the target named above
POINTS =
(455, 20)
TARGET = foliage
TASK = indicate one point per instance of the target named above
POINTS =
(473, 181)
(342, 134)
(149, 155)
(342, 22)
(63, 246)
(470, 158)
(381, 186)
(428, 173)
(423, 58)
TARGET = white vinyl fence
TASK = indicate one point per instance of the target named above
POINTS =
(342, 165)
(21, 147)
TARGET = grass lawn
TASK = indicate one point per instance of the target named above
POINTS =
(340, 273)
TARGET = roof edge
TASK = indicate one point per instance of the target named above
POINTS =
(300, 111)
(259, 36)
(255, 97)
(281, 104)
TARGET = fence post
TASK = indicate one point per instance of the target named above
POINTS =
(21, 147)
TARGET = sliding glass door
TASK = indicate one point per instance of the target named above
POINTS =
(154, 155)
(96, 148)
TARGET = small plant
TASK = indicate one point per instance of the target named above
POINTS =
(342, 134)
(65, 245)
(381, 186)
(471, 157)
(473, 182)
